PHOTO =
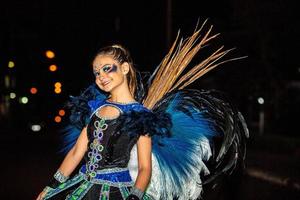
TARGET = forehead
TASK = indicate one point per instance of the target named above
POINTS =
(101, 60)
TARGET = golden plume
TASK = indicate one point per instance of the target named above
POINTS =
(168, 73)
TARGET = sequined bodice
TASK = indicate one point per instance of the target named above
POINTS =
(107, 147)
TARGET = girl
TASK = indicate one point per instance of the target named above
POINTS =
(107, 151)
(157, 140)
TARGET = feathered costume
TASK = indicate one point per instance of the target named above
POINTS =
(196, 135)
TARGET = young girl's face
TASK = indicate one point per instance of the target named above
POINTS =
(109, 74)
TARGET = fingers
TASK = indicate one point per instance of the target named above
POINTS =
(41, 196)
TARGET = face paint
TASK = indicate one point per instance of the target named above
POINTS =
(108, 68)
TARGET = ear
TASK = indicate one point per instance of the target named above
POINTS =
(125, 68)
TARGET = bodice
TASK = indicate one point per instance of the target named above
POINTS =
(108, 147)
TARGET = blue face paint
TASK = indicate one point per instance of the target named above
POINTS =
(108, 68)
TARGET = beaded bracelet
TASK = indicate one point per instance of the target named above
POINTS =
(57, 179)
(137, 192)
(60, 177)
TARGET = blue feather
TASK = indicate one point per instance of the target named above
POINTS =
(70, 135)
(176, 154)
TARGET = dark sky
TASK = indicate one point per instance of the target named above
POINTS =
(266, 31)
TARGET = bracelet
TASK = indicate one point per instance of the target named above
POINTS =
(137, 192)
(60, 177)
(57, 179)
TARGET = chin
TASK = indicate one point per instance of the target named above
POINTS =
(106, 89)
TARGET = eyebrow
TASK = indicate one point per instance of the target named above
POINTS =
(102, 65)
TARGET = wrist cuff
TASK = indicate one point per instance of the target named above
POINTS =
(137, 192)
(57, 179)
(60, 177)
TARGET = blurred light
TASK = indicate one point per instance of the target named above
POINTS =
(36, 127)
(33, 90)
(6, 81)
(61, 112)
(260, 100)
(50, 54)
(11, 64)
(12, 95)
(57, 90)
(57, 85)
(57, 119)
(52, 68)
(23, 100)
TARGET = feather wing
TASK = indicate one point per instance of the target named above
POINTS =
(198, 118)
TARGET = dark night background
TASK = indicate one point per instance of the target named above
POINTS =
(266, 31)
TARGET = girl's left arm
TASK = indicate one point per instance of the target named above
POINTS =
(144, 162)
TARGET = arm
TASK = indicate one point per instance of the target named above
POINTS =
(72, 159)
(75, 155)
(144, 167)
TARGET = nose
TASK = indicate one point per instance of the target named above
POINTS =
(101, 76)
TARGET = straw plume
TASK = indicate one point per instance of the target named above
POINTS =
(168, 75)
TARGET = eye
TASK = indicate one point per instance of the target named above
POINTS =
(107, 68)
(96, 73)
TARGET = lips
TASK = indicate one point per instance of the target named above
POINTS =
(105, 83)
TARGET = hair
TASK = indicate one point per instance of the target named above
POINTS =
(122, 55)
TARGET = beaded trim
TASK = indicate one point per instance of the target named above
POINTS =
(80, 192)
(96, 148)
(104, 194)
(108, 118)
(113, 177)
(124, 192)
(121, 103)
(76, 179)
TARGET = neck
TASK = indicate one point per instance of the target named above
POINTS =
(121, 94)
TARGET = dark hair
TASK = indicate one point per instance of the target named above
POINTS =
(121, 54)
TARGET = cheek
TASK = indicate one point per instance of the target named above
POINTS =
(118, 77)
(97, 81)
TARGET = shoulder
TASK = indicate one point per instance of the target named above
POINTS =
(95, 104)
(138, 107)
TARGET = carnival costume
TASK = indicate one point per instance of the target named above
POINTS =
(197, 135)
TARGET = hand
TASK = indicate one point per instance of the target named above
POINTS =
(42, 195)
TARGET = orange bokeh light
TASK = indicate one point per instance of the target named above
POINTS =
(52, 68)
(33, 90)
(61, 112)
(57, 90)
(57, 119)
(57, 85)
(50, 54)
